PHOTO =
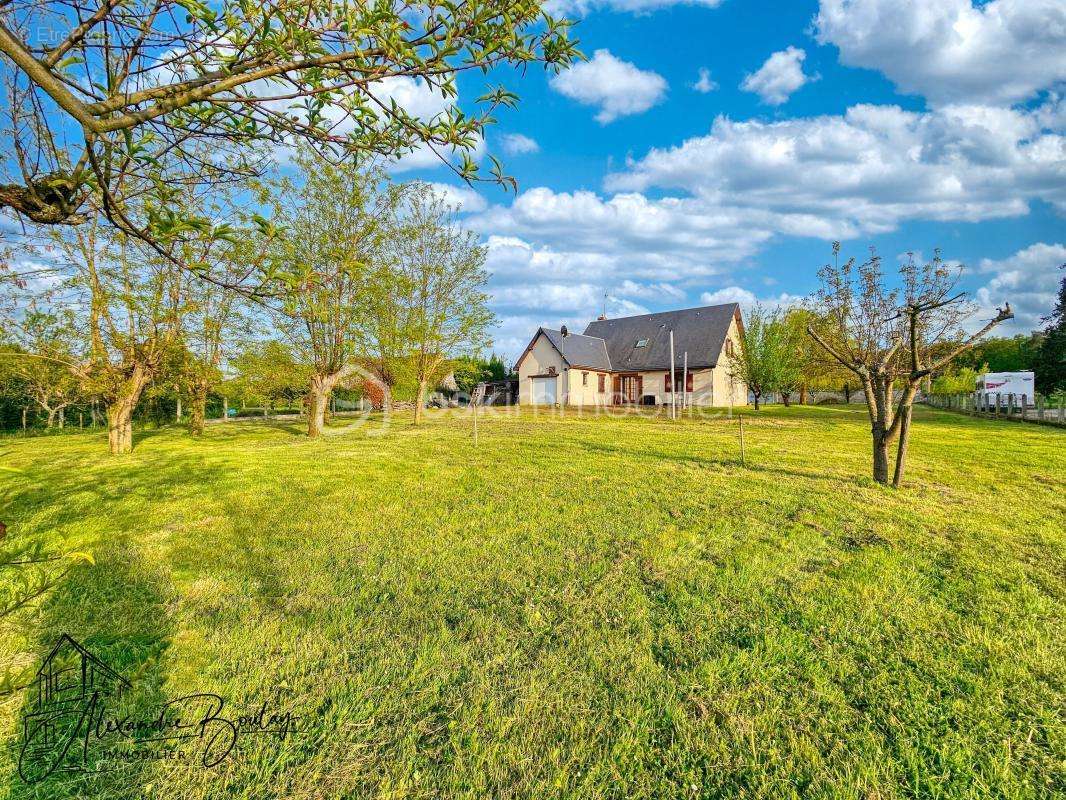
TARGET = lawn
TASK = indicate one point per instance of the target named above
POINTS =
(578, 607)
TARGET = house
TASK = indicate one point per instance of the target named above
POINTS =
(626, 361)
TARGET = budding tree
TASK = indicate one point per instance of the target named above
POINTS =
(893, 339)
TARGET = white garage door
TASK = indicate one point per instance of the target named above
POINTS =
(544, 391)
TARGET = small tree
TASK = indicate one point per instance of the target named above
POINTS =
(886, 337)
(442, 270)
(334, 225)
(46, 362)
(268, 372)
(764, 362)
(213, 321)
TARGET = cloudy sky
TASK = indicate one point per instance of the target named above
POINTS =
(711, 150)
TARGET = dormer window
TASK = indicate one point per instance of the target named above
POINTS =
(642, 343)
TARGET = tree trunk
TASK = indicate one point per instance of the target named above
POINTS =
(880, 458)
(120, 426)
(321, 386)
(51, 417)
(901, 450)
(120, 412)
(847, 392)
(420, 401)
(198, 410)
(803, 395)
(785, 397)
(756, 396)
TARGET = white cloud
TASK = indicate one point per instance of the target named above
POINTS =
(868, 170)
(463, 197)
(704, 84)
(517, 143)
(629, 234)
(748, 299)
(780, 76)
(535, 285)
(952, 50)
(1029, 280)
(617, 87)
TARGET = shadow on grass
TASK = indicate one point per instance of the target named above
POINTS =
(116, 610)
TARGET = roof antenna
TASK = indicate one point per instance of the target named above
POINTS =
(603, 316)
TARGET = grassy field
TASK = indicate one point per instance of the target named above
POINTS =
(579, 607)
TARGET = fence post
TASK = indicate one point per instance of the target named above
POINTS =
(995, 411)
(1062, 408)
(1025, 406)
(1040, 407)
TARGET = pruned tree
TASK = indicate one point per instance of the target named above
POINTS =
(105, 95)
(887, 338)
(440, 274)
(764, 362)
(334, 224)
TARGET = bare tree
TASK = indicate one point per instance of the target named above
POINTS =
(893, 339)
(106, 95)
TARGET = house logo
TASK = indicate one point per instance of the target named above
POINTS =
(81, 716)
(69, 685)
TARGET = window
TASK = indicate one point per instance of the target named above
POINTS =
(729, 347)
(667, 387)
(584, 379)
(603, 383)
(642, 343)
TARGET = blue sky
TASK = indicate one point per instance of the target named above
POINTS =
(902, 125)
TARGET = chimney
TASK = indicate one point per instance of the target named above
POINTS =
(601, 317)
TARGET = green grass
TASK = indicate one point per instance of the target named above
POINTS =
(580, 607)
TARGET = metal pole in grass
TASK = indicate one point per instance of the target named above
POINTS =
(684, 382)
(563, 395)
(740, 417)
(673, 380)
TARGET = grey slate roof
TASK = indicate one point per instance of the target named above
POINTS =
(579, 350)
(700, 331)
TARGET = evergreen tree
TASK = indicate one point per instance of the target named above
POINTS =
(1050, 361)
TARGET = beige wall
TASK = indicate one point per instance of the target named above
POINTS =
(544, 355)
(536, 362)
(723, 386)
(587, 393)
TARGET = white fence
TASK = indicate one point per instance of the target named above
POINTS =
(1004, 406)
